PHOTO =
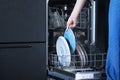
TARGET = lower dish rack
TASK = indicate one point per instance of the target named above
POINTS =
(93, 68)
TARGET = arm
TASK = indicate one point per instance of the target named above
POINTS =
(71, 23)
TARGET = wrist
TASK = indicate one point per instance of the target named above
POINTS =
(74, 15)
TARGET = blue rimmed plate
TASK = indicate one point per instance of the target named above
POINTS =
(70, 37)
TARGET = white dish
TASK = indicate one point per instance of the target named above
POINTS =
(63, 51)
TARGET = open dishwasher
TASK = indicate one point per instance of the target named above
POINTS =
(88, 60)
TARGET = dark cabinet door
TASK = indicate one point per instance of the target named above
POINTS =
(23, 62)
(22, 20)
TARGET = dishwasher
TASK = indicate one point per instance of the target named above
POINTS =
(87, 62)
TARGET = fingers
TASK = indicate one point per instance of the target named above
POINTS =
(67, 27)
(70, 24)
(74, 24)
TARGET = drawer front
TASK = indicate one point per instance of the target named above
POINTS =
(23, 62)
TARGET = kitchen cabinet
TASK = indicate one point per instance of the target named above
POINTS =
(22, 21)
(23, 61)
(23, 40)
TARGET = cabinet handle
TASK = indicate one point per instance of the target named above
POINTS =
(15, 46)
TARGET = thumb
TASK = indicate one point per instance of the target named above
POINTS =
(66, 28)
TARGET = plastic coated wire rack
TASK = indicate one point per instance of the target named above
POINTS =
(83, 19)
(96, 61)
(93, 66)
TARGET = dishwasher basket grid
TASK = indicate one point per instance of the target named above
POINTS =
(95, 61)
(83, 20)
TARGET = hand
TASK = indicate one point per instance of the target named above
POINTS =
(71, 23)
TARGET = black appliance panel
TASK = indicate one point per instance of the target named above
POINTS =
(102, 24)
(22, 20)
(23, 61)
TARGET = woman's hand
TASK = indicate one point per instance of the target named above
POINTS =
(71, 23)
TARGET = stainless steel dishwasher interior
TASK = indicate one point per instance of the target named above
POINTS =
(87, 63)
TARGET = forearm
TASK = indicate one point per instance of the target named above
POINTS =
(77, 8)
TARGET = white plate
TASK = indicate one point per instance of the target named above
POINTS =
(63, 51)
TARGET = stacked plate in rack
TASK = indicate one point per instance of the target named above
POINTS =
(82, 57)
